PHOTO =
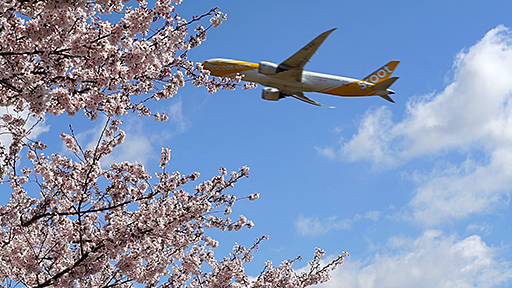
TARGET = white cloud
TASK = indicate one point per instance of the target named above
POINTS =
(453, 194)
(372, 215)
(315, 227)
(482, 229)
(312, 226)
(136, 146)
(371, 142)
(36, 128)
(177, 117)
(473, 110)
(473, 113)
(140, 144)
(431, 260)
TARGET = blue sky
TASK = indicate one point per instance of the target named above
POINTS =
(417, 191)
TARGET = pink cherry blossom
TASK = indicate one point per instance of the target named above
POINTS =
(93, 225)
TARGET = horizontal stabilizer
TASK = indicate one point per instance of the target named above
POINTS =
(387, 98)
(300, 96)
(384, 84)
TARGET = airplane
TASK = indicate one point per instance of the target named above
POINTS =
(288, 79)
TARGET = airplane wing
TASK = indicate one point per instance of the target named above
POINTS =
(300, 96)
(300, 58)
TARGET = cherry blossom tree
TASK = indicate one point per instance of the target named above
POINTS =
(117, 225)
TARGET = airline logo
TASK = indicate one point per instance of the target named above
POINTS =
(380, 75)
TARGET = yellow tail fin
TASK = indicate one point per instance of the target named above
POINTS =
(383, 73)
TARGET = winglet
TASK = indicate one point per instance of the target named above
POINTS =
(301, 57)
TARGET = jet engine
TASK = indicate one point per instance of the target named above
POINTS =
(271, 94)
(268, 68)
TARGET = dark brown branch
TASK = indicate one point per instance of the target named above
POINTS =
(198, 18)
(4, 83)
(92, 210)
(67, 270)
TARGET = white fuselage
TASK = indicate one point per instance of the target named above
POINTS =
(311, 81)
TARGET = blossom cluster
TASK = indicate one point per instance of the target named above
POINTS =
(61, 56)
(80, 233)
